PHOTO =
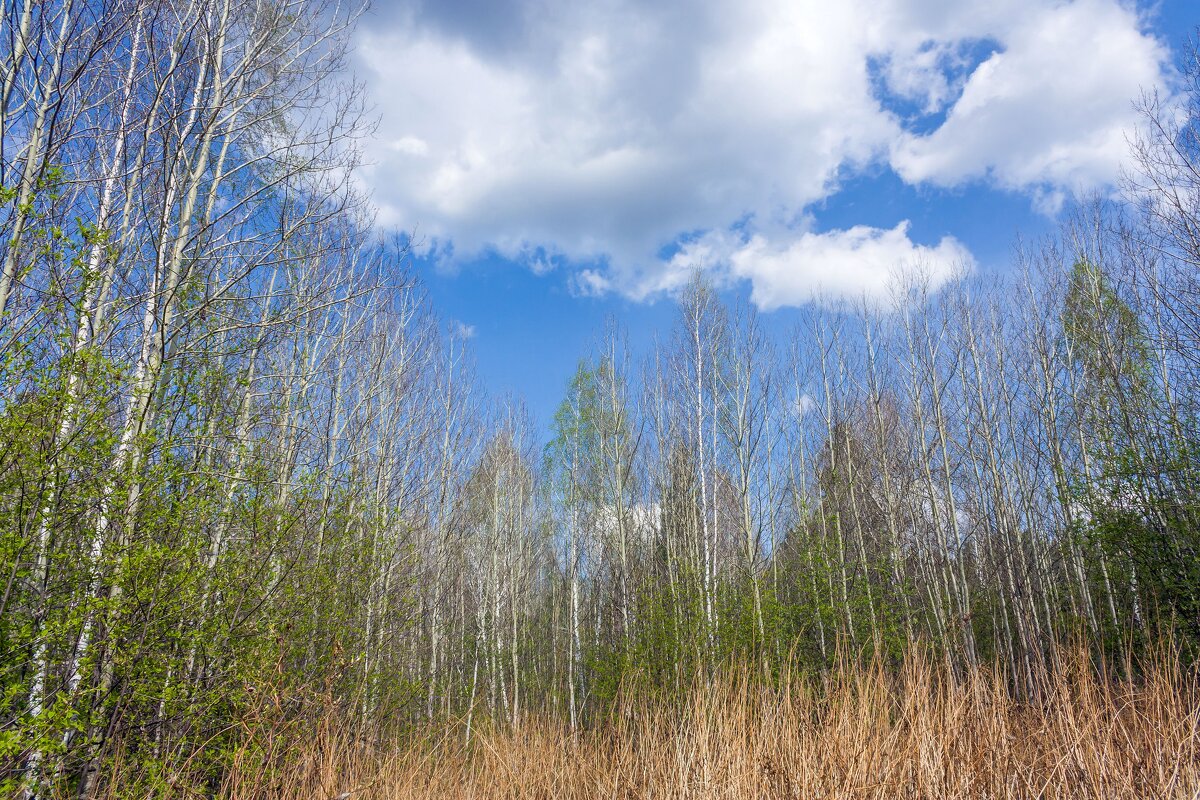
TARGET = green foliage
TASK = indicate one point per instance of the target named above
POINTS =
(1138, 505)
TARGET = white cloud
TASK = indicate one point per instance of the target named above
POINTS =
(843, 264)
(596, 135)
(861, 262)
(920, 76)
(410, 145)
(803, 405)
(1049, 113)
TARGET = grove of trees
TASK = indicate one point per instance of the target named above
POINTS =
(246, 471)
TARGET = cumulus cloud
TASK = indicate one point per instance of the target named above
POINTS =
(1051, 111)
(602, 135)
(861, 262)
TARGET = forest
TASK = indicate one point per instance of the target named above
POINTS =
(263, 533)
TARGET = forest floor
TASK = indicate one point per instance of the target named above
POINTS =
(915, 732)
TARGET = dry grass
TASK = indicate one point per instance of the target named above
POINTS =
(862, 734)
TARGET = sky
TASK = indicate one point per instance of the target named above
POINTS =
(562, 163)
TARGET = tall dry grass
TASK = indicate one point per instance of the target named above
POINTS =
(916, 732)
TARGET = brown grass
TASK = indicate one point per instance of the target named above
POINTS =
(864, 733)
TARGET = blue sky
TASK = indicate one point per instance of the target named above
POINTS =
(563, 163)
